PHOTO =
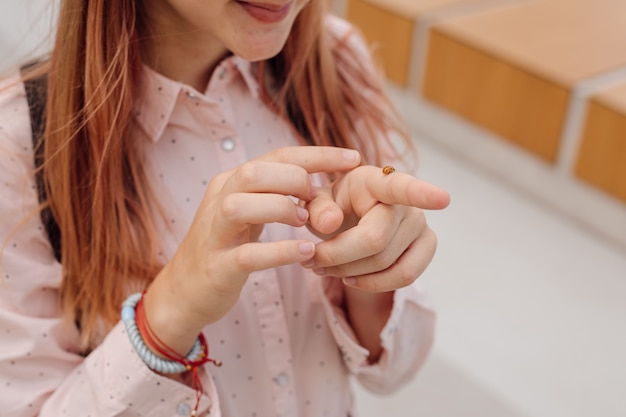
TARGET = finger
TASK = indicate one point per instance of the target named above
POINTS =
(270, 177)
(371, 236)
(259, 208)
(404, 272)
(402, 237)
(315, 158)
(310, 158)
(258, 256)
(325, 216)
(395, 188)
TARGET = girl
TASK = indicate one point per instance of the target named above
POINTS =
(206, 199)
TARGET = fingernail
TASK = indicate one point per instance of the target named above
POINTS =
(302, 213)
(350, 155)
(306, 248)
(349, 281)
(319, 270)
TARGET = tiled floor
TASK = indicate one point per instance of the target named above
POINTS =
(532, 307)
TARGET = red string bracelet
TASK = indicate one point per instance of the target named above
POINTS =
(155, 344)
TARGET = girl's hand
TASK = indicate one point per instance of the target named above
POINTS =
(206, 274)
(376, 236)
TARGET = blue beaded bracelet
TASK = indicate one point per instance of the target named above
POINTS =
(153, 362)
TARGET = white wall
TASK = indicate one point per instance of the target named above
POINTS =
(25, 26)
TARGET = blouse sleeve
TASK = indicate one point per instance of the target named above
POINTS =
(41, 371)
(406, 337)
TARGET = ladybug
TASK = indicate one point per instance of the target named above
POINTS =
(388, 170)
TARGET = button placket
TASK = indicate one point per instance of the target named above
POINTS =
(274, 332)
(281, 380)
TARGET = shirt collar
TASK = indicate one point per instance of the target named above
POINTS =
(158, 94)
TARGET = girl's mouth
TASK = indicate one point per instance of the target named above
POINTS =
(265, 12)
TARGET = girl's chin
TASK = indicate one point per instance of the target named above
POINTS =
(259, 52)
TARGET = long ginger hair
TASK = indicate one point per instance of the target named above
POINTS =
(93, 175)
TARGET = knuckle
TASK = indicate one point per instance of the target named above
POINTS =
(390, 193)
(299, 177)
(280, 155)
(249, 173)
(428, 242)
(244, 259)
(215, 184)
(303, 179)
(287, 209)
(405, 277)
(375, 239)
(327, 258)
(382, 260)
(230, 208)
(284, 210)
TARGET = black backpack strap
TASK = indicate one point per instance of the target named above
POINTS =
(36, 94)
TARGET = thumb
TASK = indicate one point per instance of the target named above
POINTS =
(325, 215)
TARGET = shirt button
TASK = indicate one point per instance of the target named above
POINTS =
(282, 380)
(183, 409)
(228, 144)
(192, 95)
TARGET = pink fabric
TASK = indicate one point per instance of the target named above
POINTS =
(286, 346)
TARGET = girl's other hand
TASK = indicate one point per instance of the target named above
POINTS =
(375, 231)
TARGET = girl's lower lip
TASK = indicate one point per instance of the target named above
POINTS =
(265, 13)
